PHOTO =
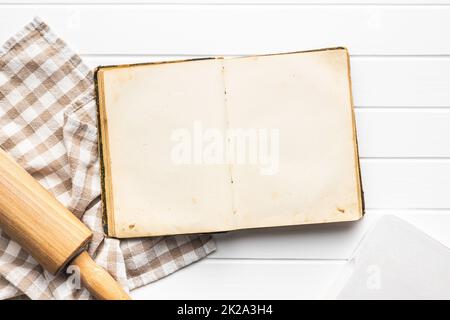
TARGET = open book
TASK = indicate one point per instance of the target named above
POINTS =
(218, 144)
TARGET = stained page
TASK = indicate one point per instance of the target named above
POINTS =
(160, 184)
(306, 168)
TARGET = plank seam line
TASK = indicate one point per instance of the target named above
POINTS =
(272, 260)
(406, 212)
(406, 159)
(403, 108)
(408, 209)
(400, 158)
(203, 55)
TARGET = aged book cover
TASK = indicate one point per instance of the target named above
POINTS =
(219, 144)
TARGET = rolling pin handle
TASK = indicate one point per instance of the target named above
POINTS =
(97, 280)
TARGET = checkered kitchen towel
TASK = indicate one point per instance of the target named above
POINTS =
(48, 124)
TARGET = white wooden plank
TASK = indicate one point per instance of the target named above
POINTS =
(245, 279)
(377, 81)
(403, 133)
(334, 241)
(225, 29)
(397, 184)
(401, 81)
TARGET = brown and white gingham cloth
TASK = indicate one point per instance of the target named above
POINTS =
(48, 123)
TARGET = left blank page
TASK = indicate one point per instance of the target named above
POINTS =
(153, 194)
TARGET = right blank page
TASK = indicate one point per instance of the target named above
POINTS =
(311, 169)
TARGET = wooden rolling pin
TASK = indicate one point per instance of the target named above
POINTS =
(34, 218)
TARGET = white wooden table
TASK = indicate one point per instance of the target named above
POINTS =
(400, 56)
